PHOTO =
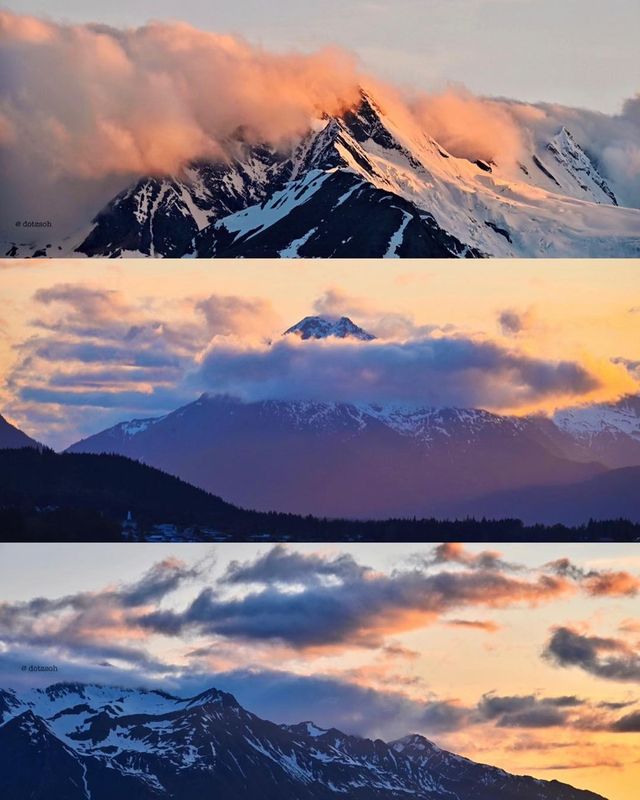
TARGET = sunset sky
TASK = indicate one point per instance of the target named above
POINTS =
(525, 655)
(568, 52)
(83, 348)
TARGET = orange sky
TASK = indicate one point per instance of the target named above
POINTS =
(582, 311)
(419, 656)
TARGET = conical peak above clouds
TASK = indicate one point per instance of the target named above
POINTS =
(318, 327)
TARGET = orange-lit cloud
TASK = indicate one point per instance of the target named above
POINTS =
(485, 625)
(148, 100)
(598, 583)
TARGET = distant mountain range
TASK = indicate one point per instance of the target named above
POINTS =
(611, 495)
(371, 462)
(367, 461)
(345, 460)
(363, 185)
(78, 741)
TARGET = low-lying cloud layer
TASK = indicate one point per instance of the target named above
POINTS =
(96, 358)
(432, 371)
(85, 108)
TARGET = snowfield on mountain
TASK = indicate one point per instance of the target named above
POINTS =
(75, 741)
(364, 185)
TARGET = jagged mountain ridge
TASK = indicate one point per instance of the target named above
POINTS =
(362, 185)
(77, 741)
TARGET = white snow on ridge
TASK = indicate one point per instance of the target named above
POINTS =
(553, 202)
(396, 239)
(585, 422)
(256, 218)
(292, 250)
(135, 426)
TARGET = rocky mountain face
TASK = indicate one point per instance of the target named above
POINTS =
(363, 185)
(77, 741)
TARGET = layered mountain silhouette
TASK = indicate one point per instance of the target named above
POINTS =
(47, 496)
(363, 185)
(612, 495)
(371, 461)
(79, 741)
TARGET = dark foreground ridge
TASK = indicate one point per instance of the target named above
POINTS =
(79, 741)
(48, 496)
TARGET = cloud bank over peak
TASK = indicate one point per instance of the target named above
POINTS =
(86, 108)
(103, 357)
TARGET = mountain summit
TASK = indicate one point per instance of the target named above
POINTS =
(365, 185)
(324, 328)
(12, 437)
(74, 742)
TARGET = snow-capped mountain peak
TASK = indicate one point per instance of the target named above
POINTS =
(414, 742)
(577, 165)
(610, 430)
(178, 751)
(363, 184)
(317, 327)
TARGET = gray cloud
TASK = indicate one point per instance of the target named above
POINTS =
(282, 565)
(631, 365)
(443, 371)
(514, 322)
(457, 553)
(354, 609)
(598, 583)
(527, 711)
(630, 723)
(92, 624)
(608, 658)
